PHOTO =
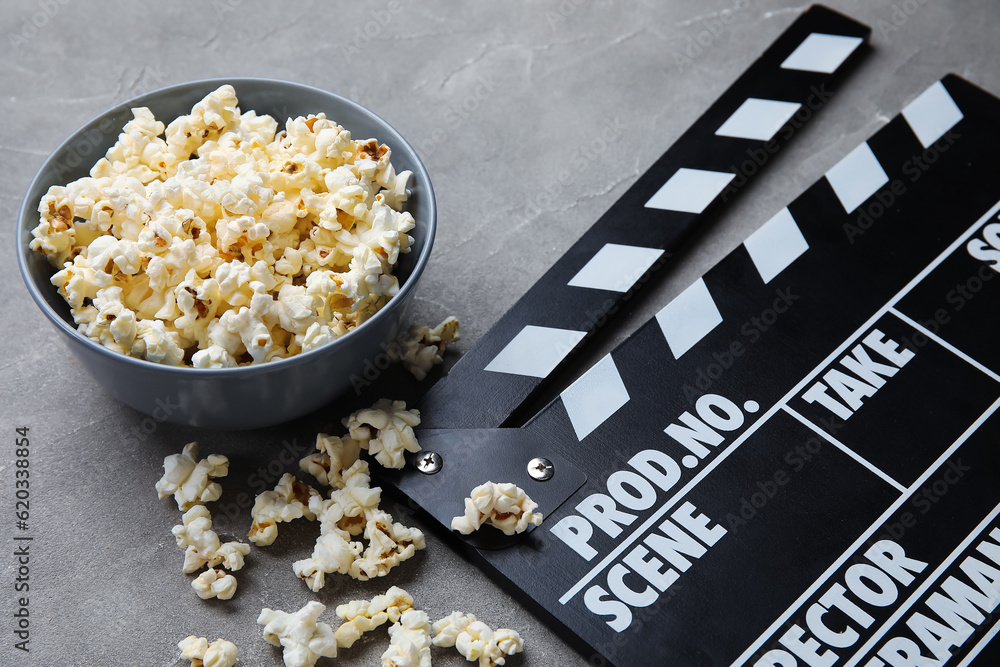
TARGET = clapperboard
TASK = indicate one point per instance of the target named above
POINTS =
(795, 461)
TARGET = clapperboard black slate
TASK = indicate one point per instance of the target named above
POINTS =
(795, 461)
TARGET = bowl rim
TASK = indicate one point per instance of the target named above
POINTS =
(30, 208)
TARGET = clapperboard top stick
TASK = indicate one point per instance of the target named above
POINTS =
(705, 169)
(760, 474)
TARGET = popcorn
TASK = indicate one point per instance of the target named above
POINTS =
(289, 500)
(203, 545)
(290, 263)
(395, 192)
(351, 509)
(189, 480)
(220, 653)
(228, 242)
(410, 641)
(335, 455)
(475, 640)
(214, 583)
(154, 342)
(55, 234)
(505, 506)
(213, 357)
(362, 615)
(386, 234)
(317, 335)
(139, 151)
(112, 321)
(385, 430)
(421, 348)
(113, 259)
(303, 638)
(348, 506)
(508, 641)
(294, 308)
(242, 329)
(207, 120)
(76, 282)
(122, 208)
(334, 552)
(389, 544)
(234, 283)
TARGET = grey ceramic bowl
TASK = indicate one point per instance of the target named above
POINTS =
(251, 396)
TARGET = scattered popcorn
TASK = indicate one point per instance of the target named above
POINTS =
(475, 640)
(421, 348)
(289, 500)
(505, 506)
(190, 480)
(203, 546)
(385, 430)
(389, 544)
(220, 653)
(304, 639)
(410, 641)
(354, 501)
(224, 241)
(334, 455)
(508, 641)
(353, 509)
(334, 552)
(214, 583)
(340, 516)
(362, 615)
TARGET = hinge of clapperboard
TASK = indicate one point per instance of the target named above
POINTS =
(534, 343)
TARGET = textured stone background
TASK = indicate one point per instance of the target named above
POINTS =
(500, 99)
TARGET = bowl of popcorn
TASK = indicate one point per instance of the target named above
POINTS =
(228, 253)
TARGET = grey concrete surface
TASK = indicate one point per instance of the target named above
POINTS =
(500, 99)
